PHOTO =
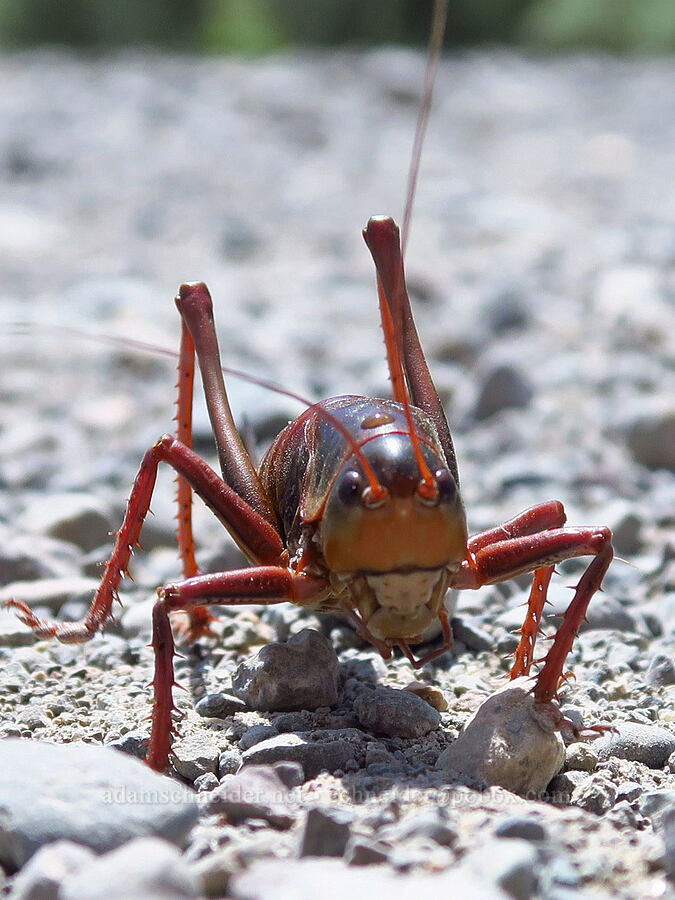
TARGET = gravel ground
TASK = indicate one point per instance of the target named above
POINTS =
(541, 264)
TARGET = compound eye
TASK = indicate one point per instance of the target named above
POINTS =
(447, 487)
(350, 488)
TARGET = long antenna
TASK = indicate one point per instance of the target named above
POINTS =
(435, 47)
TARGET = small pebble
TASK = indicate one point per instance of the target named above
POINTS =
(326, 832)
(394, 712)
(521, 827)
(206, 782)
(219, 706)
(429, 693)
(629, 790)
(469, 632)
(80, 519)
(228, 762)
(661, 670)
(597, 794)
(255, 734)
(256, 792)
(512, 864)
(145, 869)
(300, 674)
(135, 743)
(651, 439)
(429, 825)
(331, 752)
(43, 874)
(581, 756)
(648, 744)
(505, 744)
(194, 756)
(504, 387)
(362, 851)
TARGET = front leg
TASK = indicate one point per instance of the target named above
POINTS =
(493, 558)
(259, 584)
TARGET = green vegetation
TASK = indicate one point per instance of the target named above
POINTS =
(260, 26)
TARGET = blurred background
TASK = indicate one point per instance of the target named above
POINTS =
(261, 26)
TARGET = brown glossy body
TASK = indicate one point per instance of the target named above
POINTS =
(356, 508)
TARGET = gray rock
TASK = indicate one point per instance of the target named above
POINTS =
(597, 794)
(41, 877)
(626, 533)
(395, 713)
(629, 790)
(661, 670)
(655, 804)
(521, 827)
(623, 815)
(27, 558)
(255, 734)
(468, 630)
(81, 519)
(257, 792)
(300, 674)
(326, 832)
(648, 744)
(504, 387)
(135, 743)
(668, 834)
(512, 864)
(82, 793)
(143, 869)
(651, 439)
(332, 879)
(206, 782)
(581, 756)
(429, 824)
(362, 851)
(291, 773)
(228, 762)
(194, 756)
(219, 706)
(315, 751)
(507, 742)
(290, 722)
(50, 592)
(33, 717)
(560, 789)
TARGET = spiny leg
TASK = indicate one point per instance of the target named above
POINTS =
(551, 673)
(255, 536)
(261, 584)
(524, 655)
(543, 517)
(493, 561)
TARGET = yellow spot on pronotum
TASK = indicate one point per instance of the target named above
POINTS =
(377, 419)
